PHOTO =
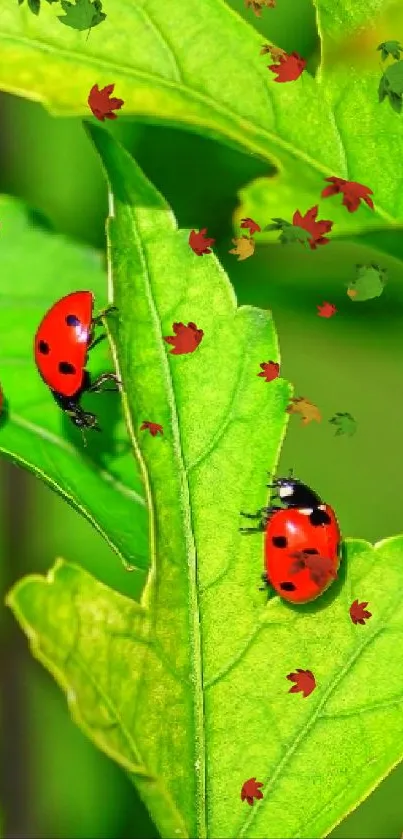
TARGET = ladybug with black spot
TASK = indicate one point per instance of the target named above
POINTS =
(302, 543)
(63, 340)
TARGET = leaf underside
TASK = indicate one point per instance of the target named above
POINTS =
(101, 481)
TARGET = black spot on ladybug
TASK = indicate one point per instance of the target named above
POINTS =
(310, 551)
(72, 320)
(287, 586)
(319, 517)
(43, 347)
(66, 367)
(279, 541)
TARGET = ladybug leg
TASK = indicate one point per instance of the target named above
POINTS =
(105, 377)
(258, 514)
(259, 529)
(95, 341)
(265, 581)
(98, 319)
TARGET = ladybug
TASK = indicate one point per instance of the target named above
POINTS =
(62, 343)
(302, 541)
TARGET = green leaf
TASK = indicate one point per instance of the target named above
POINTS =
(390, 48)
(82, 14)
(223, 427)
(33, 5)
(164, 78)
(307, 129)
(102, 481)
(338, 18)
(131, 688)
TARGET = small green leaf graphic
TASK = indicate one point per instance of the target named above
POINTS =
(82, 14)
(102, 481)
(131, 688)
(390, 48)
(35, 5)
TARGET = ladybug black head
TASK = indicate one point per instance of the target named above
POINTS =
(293, 493)
(83, 419)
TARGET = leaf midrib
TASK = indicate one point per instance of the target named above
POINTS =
(315, 716)
(244, 125)
(195, 644)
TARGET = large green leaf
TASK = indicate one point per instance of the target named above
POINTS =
(223, 426)
(132, 688)
(309, 128)
(102, 482)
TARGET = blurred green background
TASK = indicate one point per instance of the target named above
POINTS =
(54, 782)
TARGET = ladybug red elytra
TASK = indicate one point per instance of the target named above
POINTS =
(302, 544)
(62, 343)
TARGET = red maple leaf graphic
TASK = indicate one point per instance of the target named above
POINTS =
(200, 243)
(249, 224)
(358, 612)
(153, 427)
(186, 338)
(326, 310)
(270, 370)
(304, 682)
(289, 67)
(251, 790)
(315, 228)
(353, 193)
(321, 568)
(101, 103)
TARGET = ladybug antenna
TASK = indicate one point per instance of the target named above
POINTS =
(290, 473)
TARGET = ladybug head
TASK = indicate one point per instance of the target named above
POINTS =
(83, 419)
(293, 493)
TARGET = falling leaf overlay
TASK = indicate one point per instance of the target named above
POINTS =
(250, 790)
(153, 427)
(326, 310)
(275, 52)
(304, 682)
(288, 68)
(249, 224)
(321, 568)
(244, 247)
(186, 338)
(344, 423)
(308, 411)
(290, 233)
(101, 103)
(258, 5)
(199, 242)
(369, 283)
(82, 14)
(352, 193)
(359, 613)
(270, 370)
(317, 229)
(35, 5)
(390, 48)
(391, 86)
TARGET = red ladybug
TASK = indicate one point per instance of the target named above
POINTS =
(62, 343)
(302, 544)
